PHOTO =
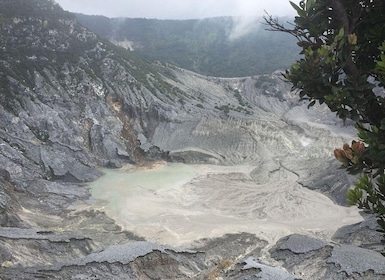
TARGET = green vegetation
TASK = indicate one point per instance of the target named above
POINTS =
(343, 66)
(203, 46)
(34, 45)
(227, 108)
(240, 99)
(33, 9)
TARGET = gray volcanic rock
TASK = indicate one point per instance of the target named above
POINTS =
(266, 272)
(8, 207)
(363, 234)
(301, 244)
(232, 257)
(358, 261)
(71, 103)
(143, 260)
(311, 258)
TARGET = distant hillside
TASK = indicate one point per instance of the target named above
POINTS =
(215, 46)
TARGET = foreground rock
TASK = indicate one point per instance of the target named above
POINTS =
(229, 257)
(311, 258)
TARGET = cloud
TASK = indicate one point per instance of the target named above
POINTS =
(244, 25)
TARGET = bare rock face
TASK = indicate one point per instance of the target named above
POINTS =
(71, 103)
(311, 258)
(8, 209)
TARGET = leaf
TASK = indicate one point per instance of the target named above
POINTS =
(300, 12)
(295, 66)
(304, 44)
(353, 196)
(382, 47)
(381, 64)
(381, 223)
(382, 127)
(374, 129)
(352, 39)
(340, 34)
(309, 4)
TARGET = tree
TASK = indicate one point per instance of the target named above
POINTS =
(343, 66)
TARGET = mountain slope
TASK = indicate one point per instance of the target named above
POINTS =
(221, 47)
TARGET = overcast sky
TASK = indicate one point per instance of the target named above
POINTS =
(178, 9)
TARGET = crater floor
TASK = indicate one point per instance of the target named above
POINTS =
(177, 204)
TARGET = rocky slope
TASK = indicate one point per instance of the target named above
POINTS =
(71, 103)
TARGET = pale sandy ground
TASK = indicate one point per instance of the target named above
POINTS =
(176, 204)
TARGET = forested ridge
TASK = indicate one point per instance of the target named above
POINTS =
(220, 46)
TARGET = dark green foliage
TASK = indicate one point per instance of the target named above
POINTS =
(6, 97)
(204, 46)
(33, 8)
(240, 99)
(369, 195)
(224, 108)
(102, 24)
(343, 66)
(227, 108)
